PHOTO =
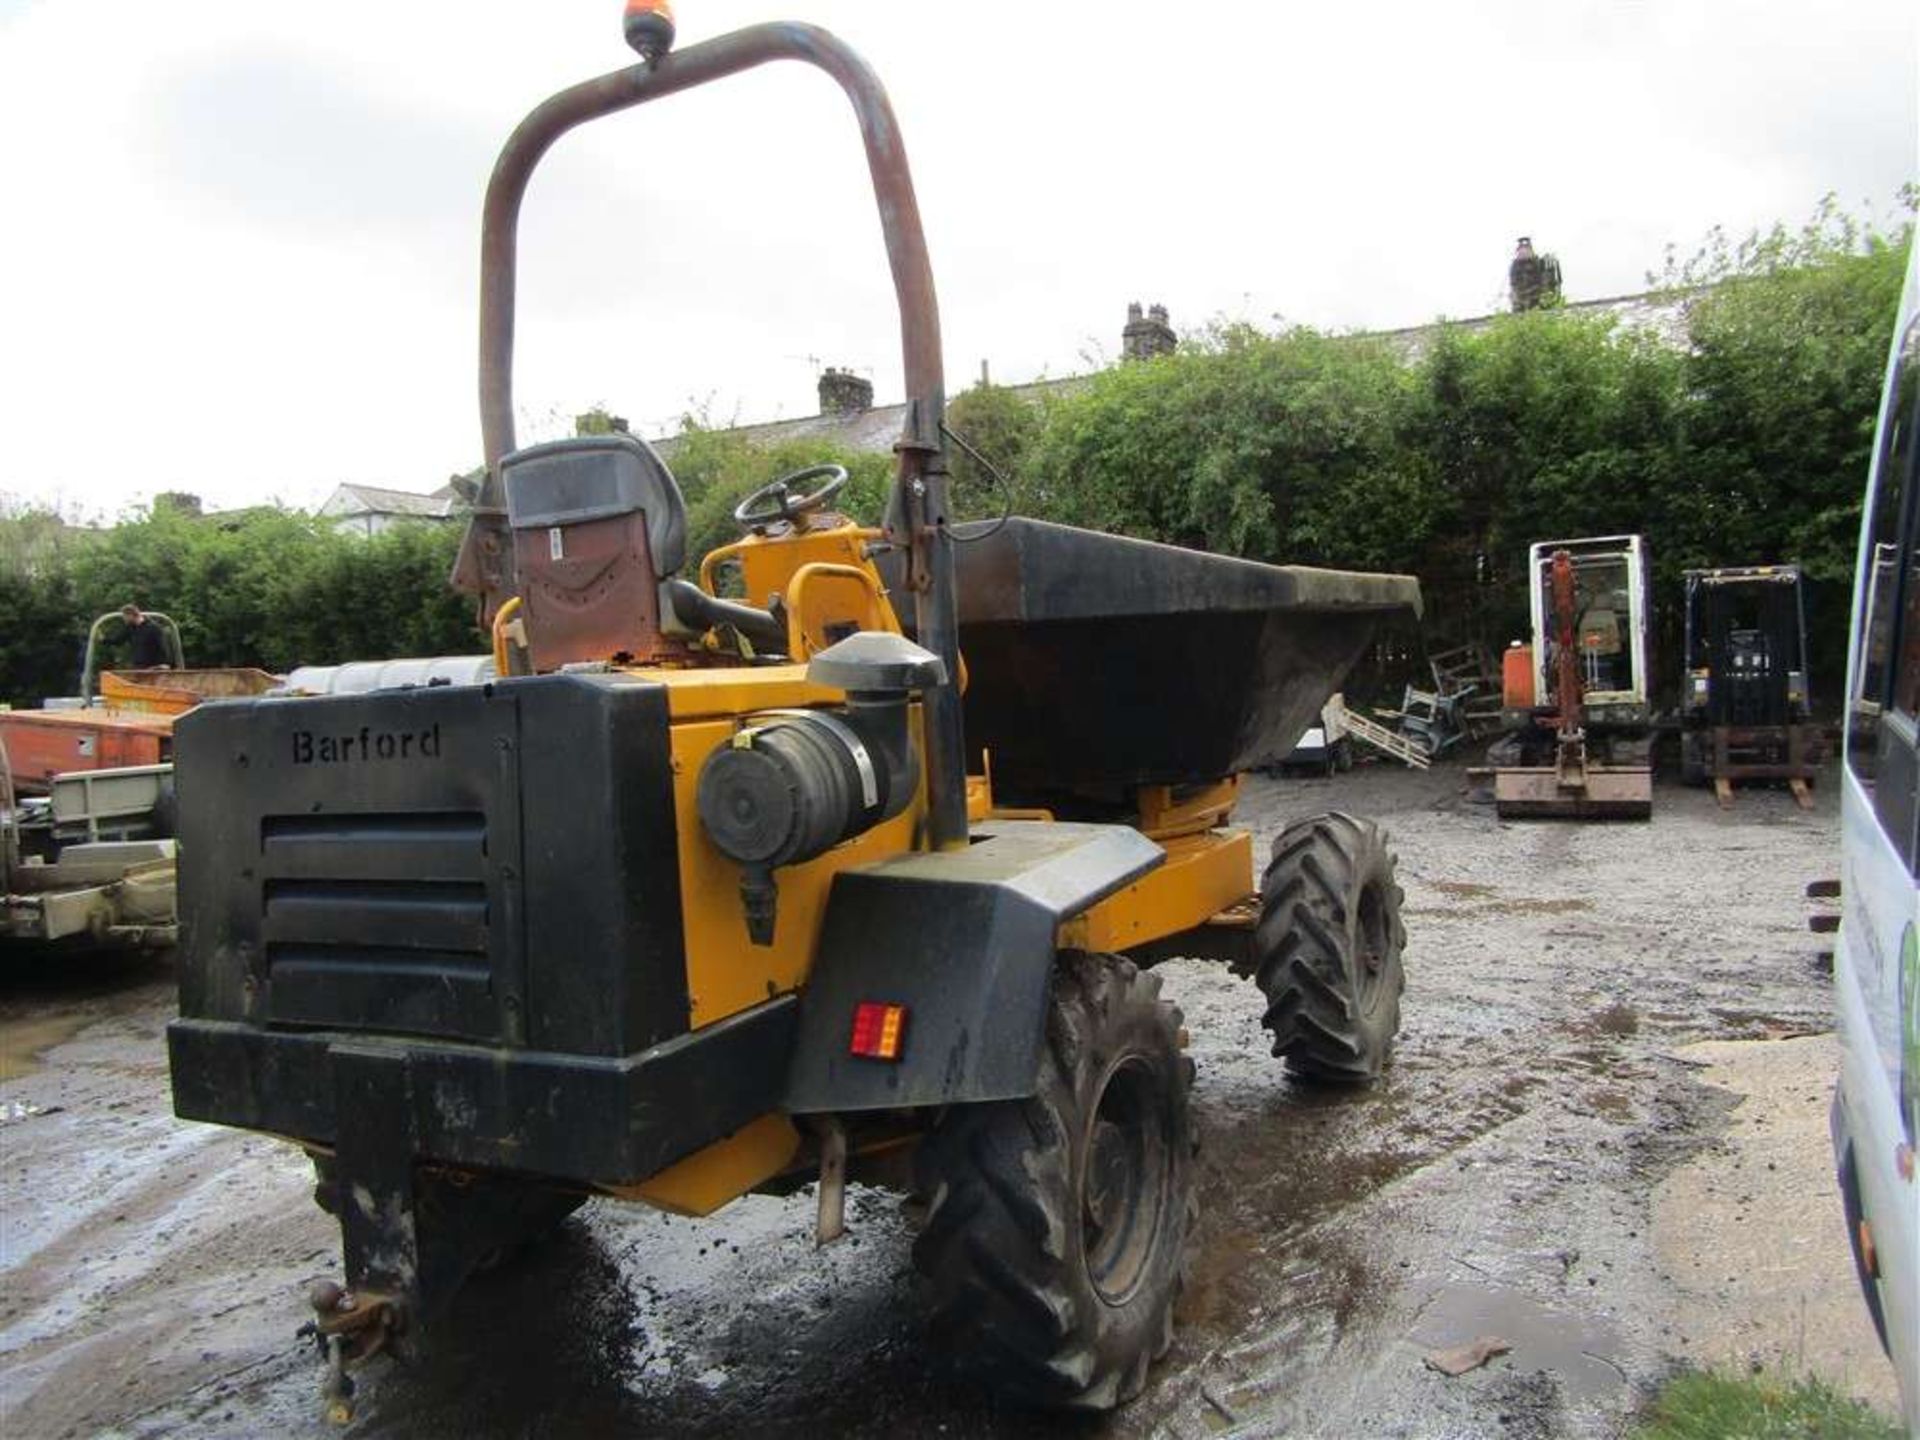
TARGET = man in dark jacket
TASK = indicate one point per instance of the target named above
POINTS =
(146, 646)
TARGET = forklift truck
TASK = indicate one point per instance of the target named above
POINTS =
(1744, 707)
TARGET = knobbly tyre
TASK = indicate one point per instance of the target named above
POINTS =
(699, 897)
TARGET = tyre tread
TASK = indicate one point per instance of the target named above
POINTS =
(1309, 898)
(1008, 1290)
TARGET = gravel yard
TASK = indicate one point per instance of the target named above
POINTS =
(1543, 1164)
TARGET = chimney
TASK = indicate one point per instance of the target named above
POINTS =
(1533, 280)
(1146, 336)
(600, 422)
(844, 393)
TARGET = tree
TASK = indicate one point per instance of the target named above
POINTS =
(1537, 426)
(269, 588)
(717, 469)
(1273, 447)
(599, 421)
(1000, 424)
(32, 536)
(1788, 349)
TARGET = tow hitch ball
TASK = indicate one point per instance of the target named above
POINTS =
(349, 1328)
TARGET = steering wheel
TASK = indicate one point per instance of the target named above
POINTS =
(777, 500)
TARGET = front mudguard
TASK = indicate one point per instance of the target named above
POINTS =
(965, 941)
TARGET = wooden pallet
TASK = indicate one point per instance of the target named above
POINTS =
(1387, 742)
(1798, 769)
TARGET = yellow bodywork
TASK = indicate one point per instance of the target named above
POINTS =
(770, 566)
(1203, 875)
(1208, 869)
(726, 972)
(725, 1170)
(828, 587)
(174, 692)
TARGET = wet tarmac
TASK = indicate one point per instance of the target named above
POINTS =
(1497, 1182)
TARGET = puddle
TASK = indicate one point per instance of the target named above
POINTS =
(1610, 1104)
(1260, 1321)
(1577, 1350)
(1474, 902)
(1760, 1025)
(1536, 907)
(1618, 1019)
(48, 996)
(25, 1041)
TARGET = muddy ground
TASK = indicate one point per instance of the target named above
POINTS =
(1500, 1181)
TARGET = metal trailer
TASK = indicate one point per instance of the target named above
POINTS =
(119, 718)
(91, 861)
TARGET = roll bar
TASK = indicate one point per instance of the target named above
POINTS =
(90, 658)
(917, 511)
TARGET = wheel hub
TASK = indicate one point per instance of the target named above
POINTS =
(1109, 1177)
(1124, 1181)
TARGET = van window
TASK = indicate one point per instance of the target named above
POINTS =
(1883, 713)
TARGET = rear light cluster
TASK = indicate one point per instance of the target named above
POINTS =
(878, 1030)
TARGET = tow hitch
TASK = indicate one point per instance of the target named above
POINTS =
(350, 1328)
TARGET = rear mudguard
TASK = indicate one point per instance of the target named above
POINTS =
(965, 941)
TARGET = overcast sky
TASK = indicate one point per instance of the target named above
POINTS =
(239, 241)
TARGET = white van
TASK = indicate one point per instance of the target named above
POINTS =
(1876, 1107)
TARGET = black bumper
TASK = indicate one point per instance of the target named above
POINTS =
(569, 1118)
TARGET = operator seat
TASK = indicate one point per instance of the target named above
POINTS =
(599, 534)
(1602, 647)
(598, 522)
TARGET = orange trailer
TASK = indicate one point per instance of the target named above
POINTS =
(129, 721)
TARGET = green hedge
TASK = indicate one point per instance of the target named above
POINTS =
(268, 587)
